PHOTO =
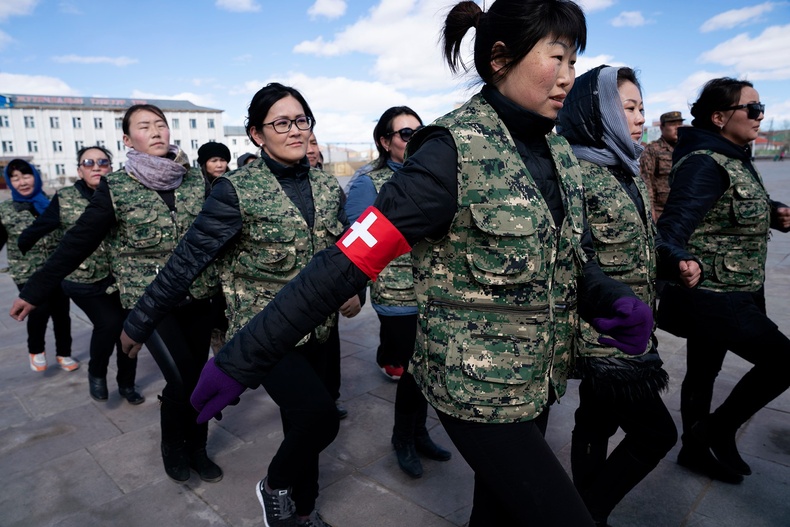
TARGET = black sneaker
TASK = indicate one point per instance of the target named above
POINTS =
(278, 508)
(314, 520)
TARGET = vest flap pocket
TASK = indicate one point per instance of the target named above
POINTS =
(272, 233)
(502, 219)
(142, 228)
(501, 366)
(748, 208)
(736, 269)
(497, 261)
(335, 228)
(611, 233)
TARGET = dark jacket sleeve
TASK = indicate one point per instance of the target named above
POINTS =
(77, 244)
(44, 224)
(699, 183)
(217, 224)
(420, 201)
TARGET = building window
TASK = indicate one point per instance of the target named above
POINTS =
(118, 123)
(8, 147)
(175, 123)
(57, 146)
(210, 123)
(177, 142)
(32, 147)
(54, 122)
(193, 123)
(60, 169)
(247, 142)
(233, 142)
(76, 122)
(194, 143)
(119, 145)
(100, 143)
(4, 121)
(97, 123)
(30, 122)
(195, 164)
(78, 145)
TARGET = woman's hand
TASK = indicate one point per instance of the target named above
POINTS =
(129, 346)
(351, 308)
(690, 273)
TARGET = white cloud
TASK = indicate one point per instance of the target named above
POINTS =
(764, 57)
(737, 17)
(402, 36)
(327, 8)
(200, 100)
(76, 59)
(69, 8)
(629, 19)
(34, 85)
(680, 97)
(5, 39)
(10, 8)
(595, 5)
(238, 6)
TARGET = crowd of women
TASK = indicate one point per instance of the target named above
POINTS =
(502, 258)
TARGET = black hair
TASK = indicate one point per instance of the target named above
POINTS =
(384, 128)
(140, 107)
(20, 164)
(716, 95)
(263, 101)
(626, 74)
(518, 24)
(81, 152)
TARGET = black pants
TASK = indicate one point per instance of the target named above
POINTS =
(518, 480)
(396, 339)
(649, 434)
(310, 422)
(107, 315)
(332, 364)
(56, 306)
(741, 326)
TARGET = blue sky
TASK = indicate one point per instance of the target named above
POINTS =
(352, 60)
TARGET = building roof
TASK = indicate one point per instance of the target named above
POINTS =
(235, 130)
(94, 103)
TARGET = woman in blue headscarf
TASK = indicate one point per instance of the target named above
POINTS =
(27, 202)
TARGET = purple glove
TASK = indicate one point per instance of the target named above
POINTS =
(214, 391)
(631, 326)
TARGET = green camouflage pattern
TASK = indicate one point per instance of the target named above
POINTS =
(96, 266)
(395, 284)
(22, 266)
(655, 165)
(275, 241)
(147, 232)
(497, 294)
(732, 239)
(625, 246)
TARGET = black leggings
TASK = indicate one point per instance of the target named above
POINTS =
(107, 316)
(310, 422)
(518, 480)
(396, 339)
(56, 306)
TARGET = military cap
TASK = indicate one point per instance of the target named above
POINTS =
(671, 116)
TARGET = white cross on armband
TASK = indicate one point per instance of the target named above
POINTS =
(360, 231)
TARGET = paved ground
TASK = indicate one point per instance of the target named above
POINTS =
(69, 461)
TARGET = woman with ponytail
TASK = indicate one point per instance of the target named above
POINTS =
(490, 203)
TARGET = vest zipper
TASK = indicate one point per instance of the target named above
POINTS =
(541, 308)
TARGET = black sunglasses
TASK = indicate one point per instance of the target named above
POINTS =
(753, 109)
(404, 133)
(88, 163)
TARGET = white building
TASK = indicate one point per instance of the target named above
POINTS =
(47, 131)
(238, 143)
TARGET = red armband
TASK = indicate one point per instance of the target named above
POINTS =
(372, 242)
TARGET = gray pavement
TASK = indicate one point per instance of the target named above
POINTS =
(67, 460)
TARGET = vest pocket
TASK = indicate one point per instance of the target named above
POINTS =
(142, 228)
(737, 269)
(270, 250)
(749, 206)
(614, 247)
(505, 248)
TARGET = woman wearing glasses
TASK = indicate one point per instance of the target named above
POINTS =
(264, 222)
(393, 298)
(142, 211)
(720, 213)
(91, 286)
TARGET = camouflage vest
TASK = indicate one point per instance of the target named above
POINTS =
(22, 267)
(96, 266)
(147, 232)
(395, 284)
(625, 247)
(497, 294)
(275, 241)
(732, 239)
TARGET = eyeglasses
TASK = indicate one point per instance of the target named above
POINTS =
(404, 133)
(88, 163)
(753, 109)
(283, 126)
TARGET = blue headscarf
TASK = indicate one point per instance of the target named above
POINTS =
(39, 200)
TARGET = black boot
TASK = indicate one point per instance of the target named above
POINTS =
(97, 387)
(403, 442)
(423, 442)
(721, 442)
(174, 448)
(196, 450)
(588, 457)
(131, 395)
